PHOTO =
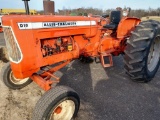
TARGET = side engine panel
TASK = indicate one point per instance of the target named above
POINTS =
(54, 46)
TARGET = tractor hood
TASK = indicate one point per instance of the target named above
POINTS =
(44, 22)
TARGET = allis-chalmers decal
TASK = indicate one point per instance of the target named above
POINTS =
(59, 24)
(38, 25)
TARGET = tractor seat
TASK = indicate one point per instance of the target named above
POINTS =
(115, 18)
(111, 26)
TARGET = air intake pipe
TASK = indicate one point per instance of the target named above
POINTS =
(26, 6)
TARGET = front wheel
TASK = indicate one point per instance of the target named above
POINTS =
(59, 103)
(10, 81)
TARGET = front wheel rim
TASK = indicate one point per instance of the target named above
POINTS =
(64, 111)
(154, 54)
(17, 81)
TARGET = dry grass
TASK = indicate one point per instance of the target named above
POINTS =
(157, 18)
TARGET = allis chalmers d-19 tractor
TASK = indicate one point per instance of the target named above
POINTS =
(38, 46)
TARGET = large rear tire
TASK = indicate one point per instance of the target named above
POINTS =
(142, 54)
(10, 81)
(59, 103)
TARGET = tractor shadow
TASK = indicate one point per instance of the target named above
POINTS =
(108, 93)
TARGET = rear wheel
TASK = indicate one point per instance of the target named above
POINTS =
(142, 54)
(9, 79)
(59, 103)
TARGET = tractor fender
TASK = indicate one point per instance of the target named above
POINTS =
(127, 25)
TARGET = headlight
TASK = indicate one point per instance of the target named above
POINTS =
(125, 13)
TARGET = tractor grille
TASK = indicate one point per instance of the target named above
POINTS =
(13, 49)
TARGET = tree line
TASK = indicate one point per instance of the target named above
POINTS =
(95, 11)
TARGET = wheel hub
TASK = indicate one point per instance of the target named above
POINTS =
(154, 54)
(17, 81)
(64, 111)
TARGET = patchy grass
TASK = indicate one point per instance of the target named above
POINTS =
(157, 18)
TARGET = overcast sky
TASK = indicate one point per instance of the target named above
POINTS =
(103, 4)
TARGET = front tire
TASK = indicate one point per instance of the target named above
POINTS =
(142, 54)
(10, 81)
(59, 103)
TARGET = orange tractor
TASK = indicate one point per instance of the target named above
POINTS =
(38, 46)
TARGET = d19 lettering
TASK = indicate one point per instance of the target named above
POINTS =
(23, 25)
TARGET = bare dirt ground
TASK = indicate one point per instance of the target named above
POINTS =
(106, 94)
